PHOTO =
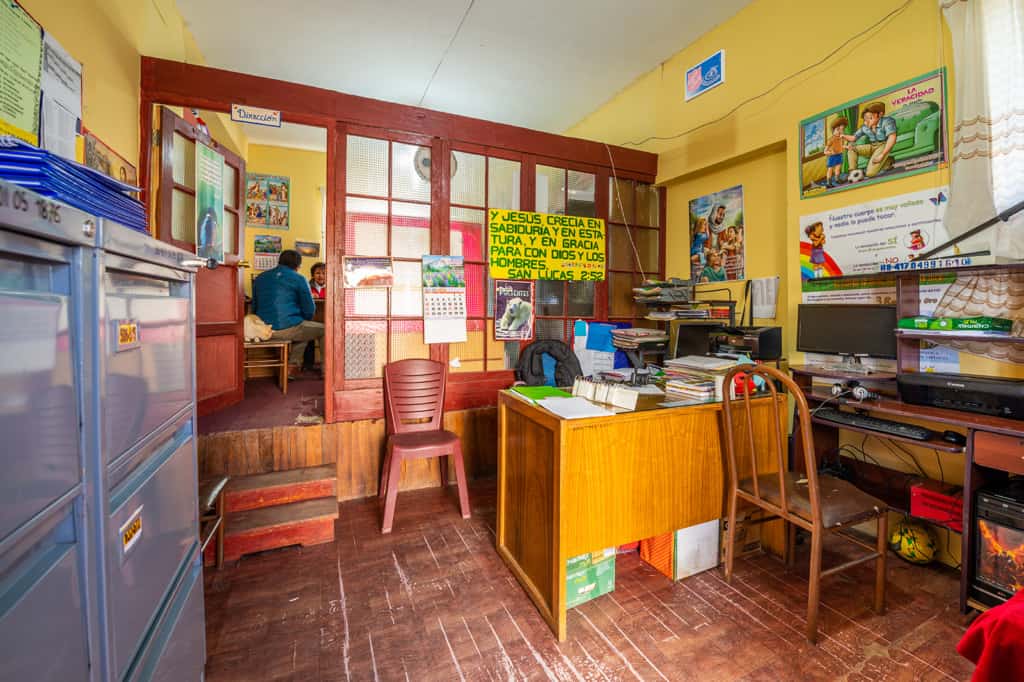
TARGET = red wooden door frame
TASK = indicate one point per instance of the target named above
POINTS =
(229, 274)
(179, 84)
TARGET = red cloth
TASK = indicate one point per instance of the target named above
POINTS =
(318, 292)
(995, 642)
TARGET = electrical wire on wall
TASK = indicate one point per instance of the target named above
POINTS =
(622, 212)
(663, 138)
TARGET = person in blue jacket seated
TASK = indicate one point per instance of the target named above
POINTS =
(282, 299)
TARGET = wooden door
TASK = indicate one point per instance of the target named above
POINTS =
(220, 305)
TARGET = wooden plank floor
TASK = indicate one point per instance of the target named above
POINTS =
(433, 601)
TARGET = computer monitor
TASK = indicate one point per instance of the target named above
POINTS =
(853, 330)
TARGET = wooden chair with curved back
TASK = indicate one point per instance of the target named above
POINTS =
(817, 503)
(414, 411)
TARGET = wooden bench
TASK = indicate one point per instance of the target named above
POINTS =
(257, 358)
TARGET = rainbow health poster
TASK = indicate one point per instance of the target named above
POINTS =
(867, 238)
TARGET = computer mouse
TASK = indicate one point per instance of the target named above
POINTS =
(954, 437)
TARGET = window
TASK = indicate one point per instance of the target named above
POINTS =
(564, 192)
(387, 213)
(635, 239)
(479, 183)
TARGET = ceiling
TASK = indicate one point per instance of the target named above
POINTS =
(541, 64)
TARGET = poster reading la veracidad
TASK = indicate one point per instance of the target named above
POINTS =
(888, 134)
(527, 245)
(868, 238)
(717, 236)
(209, 203)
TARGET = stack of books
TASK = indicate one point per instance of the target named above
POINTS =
(691, 313)
(72, 183)
(719, 312)
(634, 338)
(663, 292)
(696, 377)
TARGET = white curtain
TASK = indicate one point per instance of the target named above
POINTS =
(988, 133)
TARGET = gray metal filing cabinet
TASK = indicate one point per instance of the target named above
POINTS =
(100, 573)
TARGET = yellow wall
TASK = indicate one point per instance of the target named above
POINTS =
(764, 43)
(763, 176)
(758, 146)
(109, 37)
(307, 171)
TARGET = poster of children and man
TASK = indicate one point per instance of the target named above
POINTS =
(717, 236)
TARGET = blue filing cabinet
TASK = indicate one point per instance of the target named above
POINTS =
(100, 573)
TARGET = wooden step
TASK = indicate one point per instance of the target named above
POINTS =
(280, 487)
(309, 522)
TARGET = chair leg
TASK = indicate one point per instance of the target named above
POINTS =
(460, 479)
(442, 464)
(814, 589)
(790, 544)
(730, 537)
(385, 469)
(284, 369)
(220, 529)
(883, 539)
(394, 474)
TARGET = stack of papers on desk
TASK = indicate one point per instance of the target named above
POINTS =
(573, 408)
(703, 363)
(533, 394)
(696, 377)
(72, 183)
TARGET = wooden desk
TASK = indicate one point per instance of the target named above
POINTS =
(321, 307)
(995, 448)
(566, 487)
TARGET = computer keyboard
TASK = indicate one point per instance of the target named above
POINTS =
(871, 423)
(843, 369)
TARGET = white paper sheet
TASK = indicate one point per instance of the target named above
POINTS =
(764, 296)
(573, 408)
(61, 84)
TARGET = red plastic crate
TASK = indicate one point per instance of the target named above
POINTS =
(942, 503)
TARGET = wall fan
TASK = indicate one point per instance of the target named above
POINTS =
(421, 162)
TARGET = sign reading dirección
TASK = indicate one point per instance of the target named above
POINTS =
(526, 245)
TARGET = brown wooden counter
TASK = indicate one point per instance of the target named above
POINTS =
(566, 487)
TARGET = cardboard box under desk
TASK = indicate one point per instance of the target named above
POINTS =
(588, 576)
(685, 552)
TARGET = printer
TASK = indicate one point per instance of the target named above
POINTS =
(759, 343)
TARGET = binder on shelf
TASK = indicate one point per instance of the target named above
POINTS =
(71, 183)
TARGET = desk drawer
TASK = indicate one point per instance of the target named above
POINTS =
(150, 531)
(1005, 453)
(42, 626)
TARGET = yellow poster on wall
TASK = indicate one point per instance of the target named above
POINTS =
(21, 60)
(527, 245)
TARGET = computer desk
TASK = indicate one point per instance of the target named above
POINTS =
(995, 447)
(571, 486)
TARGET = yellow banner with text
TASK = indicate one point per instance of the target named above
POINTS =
(527, 245)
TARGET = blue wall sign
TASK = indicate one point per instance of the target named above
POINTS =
(706, 75)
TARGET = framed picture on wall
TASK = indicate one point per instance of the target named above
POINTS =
(308, 249)
(888, 134)
(717, 236)
(267, 201)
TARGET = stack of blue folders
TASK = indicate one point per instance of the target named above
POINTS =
(72, 183)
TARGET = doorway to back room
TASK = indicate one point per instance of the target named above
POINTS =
(260, 313)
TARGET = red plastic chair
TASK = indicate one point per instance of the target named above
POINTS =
(414, 407)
